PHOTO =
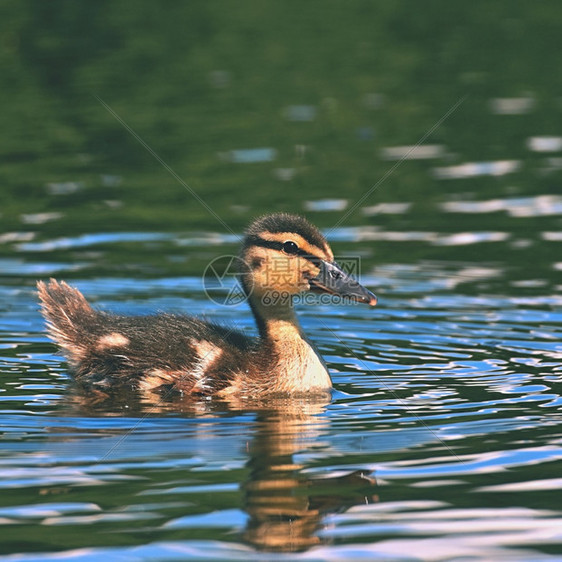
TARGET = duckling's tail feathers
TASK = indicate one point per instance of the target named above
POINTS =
(66, 312)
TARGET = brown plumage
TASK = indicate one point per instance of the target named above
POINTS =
(189, 355)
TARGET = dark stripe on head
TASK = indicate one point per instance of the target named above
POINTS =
(252, 240)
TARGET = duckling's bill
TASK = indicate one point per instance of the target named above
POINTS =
(332, 279)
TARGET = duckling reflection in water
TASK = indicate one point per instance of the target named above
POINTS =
(182, 353)
(286, 505)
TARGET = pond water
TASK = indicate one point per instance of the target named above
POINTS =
(443, 437)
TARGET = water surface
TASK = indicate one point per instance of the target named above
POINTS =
(443, 437)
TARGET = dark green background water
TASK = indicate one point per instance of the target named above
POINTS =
(138, 139)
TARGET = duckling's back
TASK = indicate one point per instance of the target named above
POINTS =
(146, 352)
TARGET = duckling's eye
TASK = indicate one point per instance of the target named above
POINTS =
(290, 247)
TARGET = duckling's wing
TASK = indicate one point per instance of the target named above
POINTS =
(144, 351)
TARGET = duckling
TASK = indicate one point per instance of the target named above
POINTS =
(177, 352)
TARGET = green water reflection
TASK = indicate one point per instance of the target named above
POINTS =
(197, 80)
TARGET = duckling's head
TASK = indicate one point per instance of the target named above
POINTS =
(286, 255)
